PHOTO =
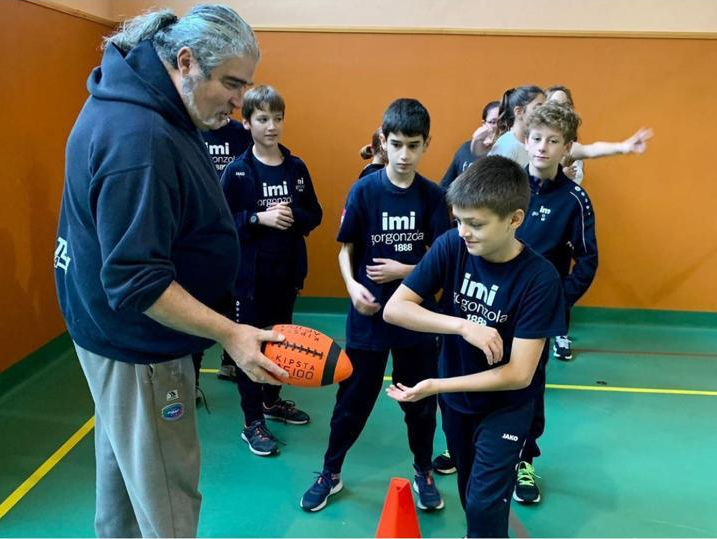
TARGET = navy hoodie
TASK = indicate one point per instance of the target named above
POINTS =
(242, 187)
(141, 207)
(560, 225)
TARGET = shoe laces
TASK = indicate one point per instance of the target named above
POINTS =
(446, 454)
(285, 406)
(259, 429)
(202, 398)
(526, 474)
(427, 477)
(324, 478)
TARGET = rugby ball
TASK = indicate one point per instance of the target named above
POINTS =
(311, 358)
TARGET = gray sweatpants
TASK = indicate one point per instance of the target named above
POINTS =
(146, 447)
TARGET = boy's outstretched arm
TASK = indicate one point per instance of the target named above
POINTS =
(516, 374)
(637, 143)
(363, 301)
(404, 309)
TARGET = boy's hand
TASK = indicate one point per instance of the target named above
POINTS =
(244, 347)
(363, 300)
(482, 140)
(386, 270)
(487, 339)
(421, 390)
(571, 171)
(637, 143)
(277, 216)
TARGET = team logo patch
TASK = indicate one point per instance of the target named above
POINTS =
(172, 412)
(172, 395)
(62, 261)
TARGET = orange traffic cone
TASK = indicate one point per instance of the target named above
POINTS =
(398, 518)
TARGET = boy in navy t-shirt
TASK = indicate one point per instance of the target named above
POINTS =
(560, 225)
(272, 199)
(500, 300)
(390, 219)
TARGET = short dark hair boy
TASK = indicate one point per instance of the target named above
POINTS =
(500, 301)
(390, 219)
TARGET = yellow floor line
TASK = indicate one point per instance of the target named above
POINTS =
(46, 466)
(653, 391)
(612, 389)
(58, 455)
(616, 389)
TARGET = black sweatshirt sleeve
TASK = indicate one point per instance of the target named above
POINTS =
(137, 215)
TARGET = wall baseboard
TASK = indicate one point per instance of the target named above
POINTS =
(40, 359)
(647, 317)
(579, 315)
(61, 345)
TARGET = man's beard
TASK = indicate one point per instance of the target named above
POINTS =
(189, 85)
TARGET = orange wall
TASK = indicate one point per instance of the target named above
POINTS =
(656, 223)
(47, 57)
(655, 213)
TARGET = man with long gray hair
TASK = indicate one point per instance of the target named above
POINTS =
(147, 254)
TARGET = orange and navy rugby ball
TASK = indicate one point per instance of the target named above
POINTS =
(311, 358)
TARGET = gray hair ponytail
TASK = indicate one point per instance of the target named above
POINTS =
(213, 32)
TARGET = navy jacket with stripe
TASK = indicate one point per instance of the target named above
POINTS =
(560, 225)
(241, 184)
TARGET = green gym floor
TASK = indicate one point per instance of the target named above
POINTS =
(629, 449)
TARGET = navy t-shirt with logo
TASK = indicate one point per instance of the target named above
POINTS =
(274, 187)
(226, 144)
(382, 220)
(521, 298)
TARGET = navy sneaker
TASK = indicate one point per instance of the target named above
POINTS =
(287, 412)
(443, 464)
(526, 488)
(260, 439)
(561, 348)
(317, 496)
(429, 499)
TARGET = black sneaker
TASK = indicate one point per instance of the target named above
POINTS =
(318, 494)
(429, 499)
(227, 372)
(287, 412)
(561, 348)
(443, 464)
(526, 489)
(260, 439)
